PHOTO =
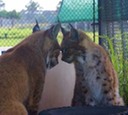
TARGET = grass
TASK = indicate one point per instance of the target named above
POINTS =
(10, 37)
(121, 66)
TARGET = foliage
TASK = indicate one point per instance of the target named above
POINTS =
(3, 14)
(32, 9)
(11, 14)
(2, 4)
(121, 66)
(32, 6)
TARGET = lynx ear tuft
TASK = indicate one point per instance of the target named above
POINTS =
(53, 31)
(64, 31)
(36, 27)
(74, 33)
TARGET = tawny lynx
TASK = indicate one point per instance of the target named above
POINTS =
(96, 79)
(23, 69)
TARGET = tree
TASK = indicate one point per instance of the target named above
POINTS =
(2, 5)
(3, 14)
(13, 15)
(32, 7)
(58, 5)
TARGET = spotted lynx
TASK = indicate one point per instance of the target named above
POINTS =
(96, 80)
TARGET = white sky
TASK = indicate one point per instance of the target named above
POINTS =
(18, 5)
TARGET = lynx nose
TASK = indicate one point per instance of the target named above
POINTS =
(64, 58)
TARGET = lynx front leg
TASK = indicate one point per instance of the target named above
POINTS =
(82, 97)
(79, 91)
(78, 97)
(35, 98)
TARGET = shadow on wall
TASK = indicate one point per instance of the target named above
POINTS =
(59, 85)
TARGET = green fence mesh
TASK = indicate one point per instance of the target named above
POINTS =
(78, 10)
(114, 9)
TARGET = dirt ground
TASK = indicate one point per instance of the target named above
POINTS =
(59, 85)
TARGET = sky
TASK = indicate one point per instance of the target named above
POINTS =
(18, 5)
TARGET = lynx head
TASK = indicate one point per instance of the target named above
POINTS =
(54, 48)
(71, 50)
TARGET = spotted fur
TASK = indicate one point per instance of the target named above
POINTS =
(96, 79)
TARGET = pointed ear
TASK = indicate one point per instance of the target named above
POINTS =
(64, 31)
(74, 33)
(53, 31)
(36, 22)
(36, 27)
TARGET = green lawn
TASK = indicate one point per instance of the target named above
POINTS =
(10, 37)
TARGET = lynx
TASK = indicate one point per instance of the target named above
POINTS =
(23, 69)
(96, 79)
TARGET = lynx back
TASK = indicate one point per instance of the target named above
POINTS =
(23, 69)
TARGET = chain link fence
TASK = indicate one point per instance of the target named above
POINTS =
(15, 26)
(82, 14)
